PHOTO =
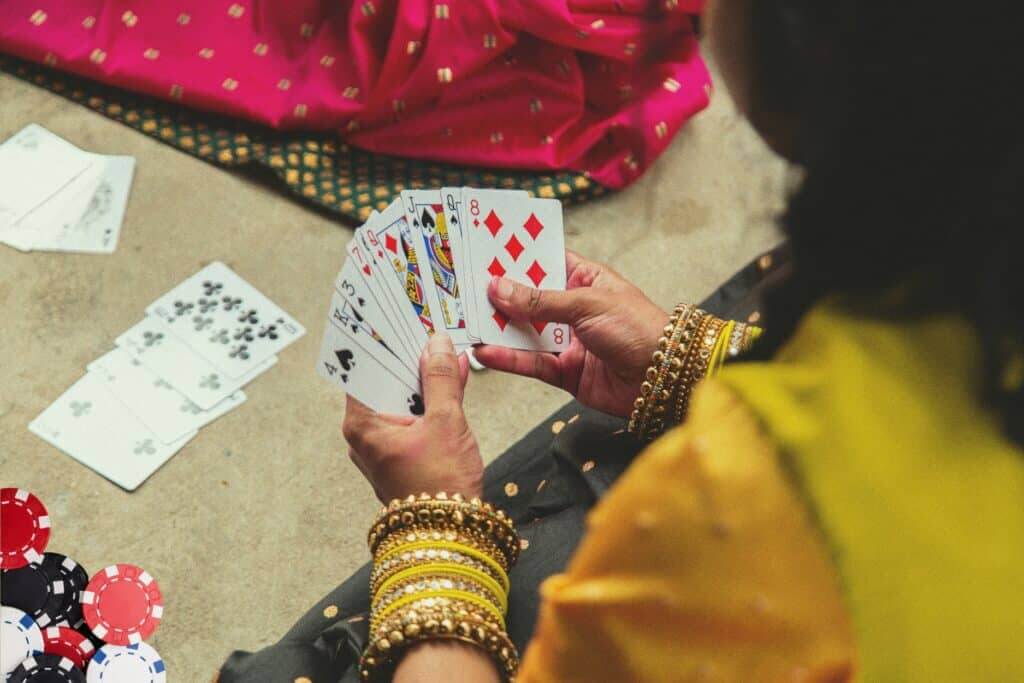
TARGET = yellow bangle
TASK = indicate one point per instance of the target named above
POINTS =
(438, 568)
(453, 594)
(453, 547)
(718, 354)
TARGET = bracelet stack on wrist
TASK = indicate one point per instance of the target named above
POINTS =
(695, 345)
(440, 571)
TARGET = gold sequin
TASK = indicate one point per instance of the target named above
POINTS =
(89, 22)
(97, 56)
(368, 9)
(765, 262)
(536, 105)
(327, 61)
(496, 137)
(260, 49)
(236, 11)
(398, 105)
(184, 18)
(356, 619)
(206, 53)
(306, 30)
(754, 317)
(352, 126)
(303, 679)
(671, 84)
(490, 40)
(542, 484)
(587, 466)
(224, 156)
(229, 84)
(350, 93)
(557, 426)
(546, 140)
(444, 75)
(300, 111)
(597, 23)
(441, 12)
(574, 418)
(37, 18)
(523, 544)
(284, 84)
(130, 18)
(412, 46)
(630, 161)
(661, 129)
(151, 53)
(177, 91)
(50, 59)
(629, 48)
(511, 489)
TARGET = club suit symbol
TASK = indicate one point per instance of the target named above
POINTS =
(347, 361)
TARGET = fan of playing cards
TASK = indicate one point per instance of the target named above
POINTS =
(423, 265)
(55, 197)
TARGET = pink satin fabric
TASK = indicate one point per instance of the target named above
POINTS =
(598, 86)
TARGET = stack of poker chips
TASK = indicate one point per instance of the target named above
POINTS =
(57, 624)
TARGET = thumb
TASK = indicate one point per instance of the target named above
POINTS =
(442, 376)
(526, 303)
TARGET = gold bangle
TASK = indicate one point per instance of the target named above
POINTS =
(420, 552)
(442, 575)
(664, 372)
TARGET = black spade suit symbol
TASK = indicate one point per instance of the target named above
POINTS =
(416, 404)
(347, 362)
(427, 220)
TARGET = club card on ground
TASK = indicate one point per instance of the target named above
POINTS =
(349, 367)
(226, 320)
(92, 426)
(162, 408)
(424, 212)
(176, 363)
(521, 240)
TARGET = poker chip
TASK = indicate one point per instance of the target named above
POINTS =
(31, 590)
(20, 638)
(138, 663)
(122, 604)
(67, 642)
(75, 578)
(24, 528)
(47, 669)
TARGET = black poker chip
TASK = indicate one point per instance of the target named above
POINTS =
(46, 669)
(34, 591)
(75, 578)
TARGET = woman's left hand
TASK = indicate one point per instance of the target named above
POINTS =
(437, 452)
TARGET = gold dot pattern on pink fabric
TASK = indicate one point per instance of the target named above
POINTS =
(671, 84)
(444, 75)
(129, 18)
(661, 129)
(236, 11)
(37, 18)
(260, 49)
(442, 11)
(184, 19)
(89, 22)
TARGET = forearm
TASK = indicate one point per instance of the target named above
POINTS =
(449, 661)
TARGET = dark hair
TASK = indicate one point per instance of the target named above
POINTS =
(910, 131)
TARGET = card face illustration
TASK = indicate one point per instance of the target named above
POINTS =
(226, 320)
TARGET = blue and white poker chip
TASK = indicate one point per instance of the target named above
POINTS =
(20, 638)
(137, 663)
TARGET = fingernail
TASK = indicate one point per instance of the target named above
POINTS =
(440, 343)
(504, 289)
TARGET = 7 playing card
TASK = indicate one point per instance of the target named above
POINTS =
(226, 320)
(521, 240)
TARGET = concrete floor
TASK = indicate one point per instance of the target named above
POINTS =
(263, 513)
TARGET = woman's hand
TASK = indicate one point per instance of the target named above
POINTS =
(615, 332)
(411, 455)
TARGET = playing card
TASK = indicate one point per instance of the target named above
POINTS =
(347, 365)
(98, 228)
(92, 426)
(521, 240)
(362, 289)
(402, 273)
(344, 315)
(393, 297)
(176, 363)
(226, 320)
(162, 408)
(433, 246)
(35, 165)
(451, 198)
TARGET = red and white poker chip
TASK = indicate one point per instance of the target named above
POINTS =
(67, 642)
(24, 528)
(122, 604)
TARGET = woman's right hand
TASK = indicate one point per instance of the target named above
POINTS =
(615, 331)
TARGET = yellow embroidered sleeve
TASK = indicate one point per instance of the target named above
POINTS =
(702, 564)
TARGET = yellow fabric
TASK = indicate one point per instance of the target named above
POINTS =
(706, 561)
(699, 565)
(917, 490)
